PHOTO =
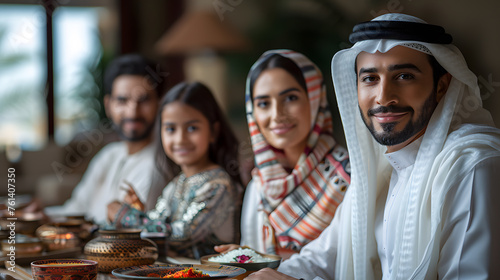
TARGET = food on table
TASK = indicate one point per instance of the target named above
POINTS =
(185, 273)
(241, 255)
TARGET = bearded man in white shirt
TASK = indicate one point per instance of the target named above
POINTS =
(133, 89)
(423, 159)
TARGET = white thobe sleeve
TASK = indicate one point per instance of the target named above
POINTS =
(470, 241)
(79, 202)
(251, 234)
(317, 259)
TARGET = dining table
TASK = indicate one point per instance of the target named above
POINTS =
(24, 272)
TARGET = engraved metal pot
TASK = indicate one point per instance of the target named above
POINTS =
(120, 248)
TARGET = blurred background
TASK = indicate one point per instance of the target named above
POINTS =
(53, 54)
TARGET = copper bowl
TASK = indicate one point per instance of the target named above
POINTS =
(23, 246)
(60, 241)
(64, 269)
(25, 223)
(57, 238)
(77, 225)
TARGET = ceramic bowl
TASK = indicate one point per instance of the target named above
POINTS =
(120, 248)
(249, 267)
(64, 269)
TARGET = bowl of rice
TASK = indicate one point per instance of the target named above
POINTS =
(245, 258)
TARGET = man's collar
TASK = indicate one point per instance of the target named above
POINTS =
(405, 157)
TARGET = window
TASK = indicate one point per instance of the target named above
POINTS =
(22, 77)
(77, 55)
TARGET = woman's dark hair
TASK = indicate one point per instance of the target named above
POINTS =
(223, 152)
(277, 61)
(133, 64)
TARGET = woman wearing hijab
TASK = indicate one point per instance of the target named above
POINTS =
(301, 173)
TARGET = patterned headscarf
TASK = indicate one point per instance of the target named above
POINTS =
(296, 207)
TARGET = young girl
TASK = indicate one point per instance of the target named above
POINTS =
(197, 151)
(301, 173)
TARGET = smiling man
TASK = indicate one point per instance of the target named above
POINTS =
(424, 154)
(132, 94)
(395, 119)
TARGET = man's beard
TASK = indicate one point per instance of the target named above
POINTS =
(389, 137)
(134, 135)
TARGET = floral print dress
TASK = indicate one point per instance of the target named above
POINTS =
(196, 213)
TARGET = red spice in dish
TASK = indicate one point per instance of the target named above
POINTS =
(185, 273)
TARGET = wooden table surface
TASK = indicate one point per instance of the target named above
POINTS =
(24, 272)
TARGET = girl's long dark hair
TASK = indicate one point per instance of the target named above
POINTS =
(223, 152)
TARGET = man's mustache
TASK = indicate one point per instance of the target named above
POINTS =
(389, 109)
(123, 121)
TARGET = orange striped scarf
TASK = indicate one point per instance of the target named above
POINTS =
(298, 206)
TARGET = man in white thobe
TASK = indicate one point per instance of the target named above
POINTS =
(423, 155)
(132, 95)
